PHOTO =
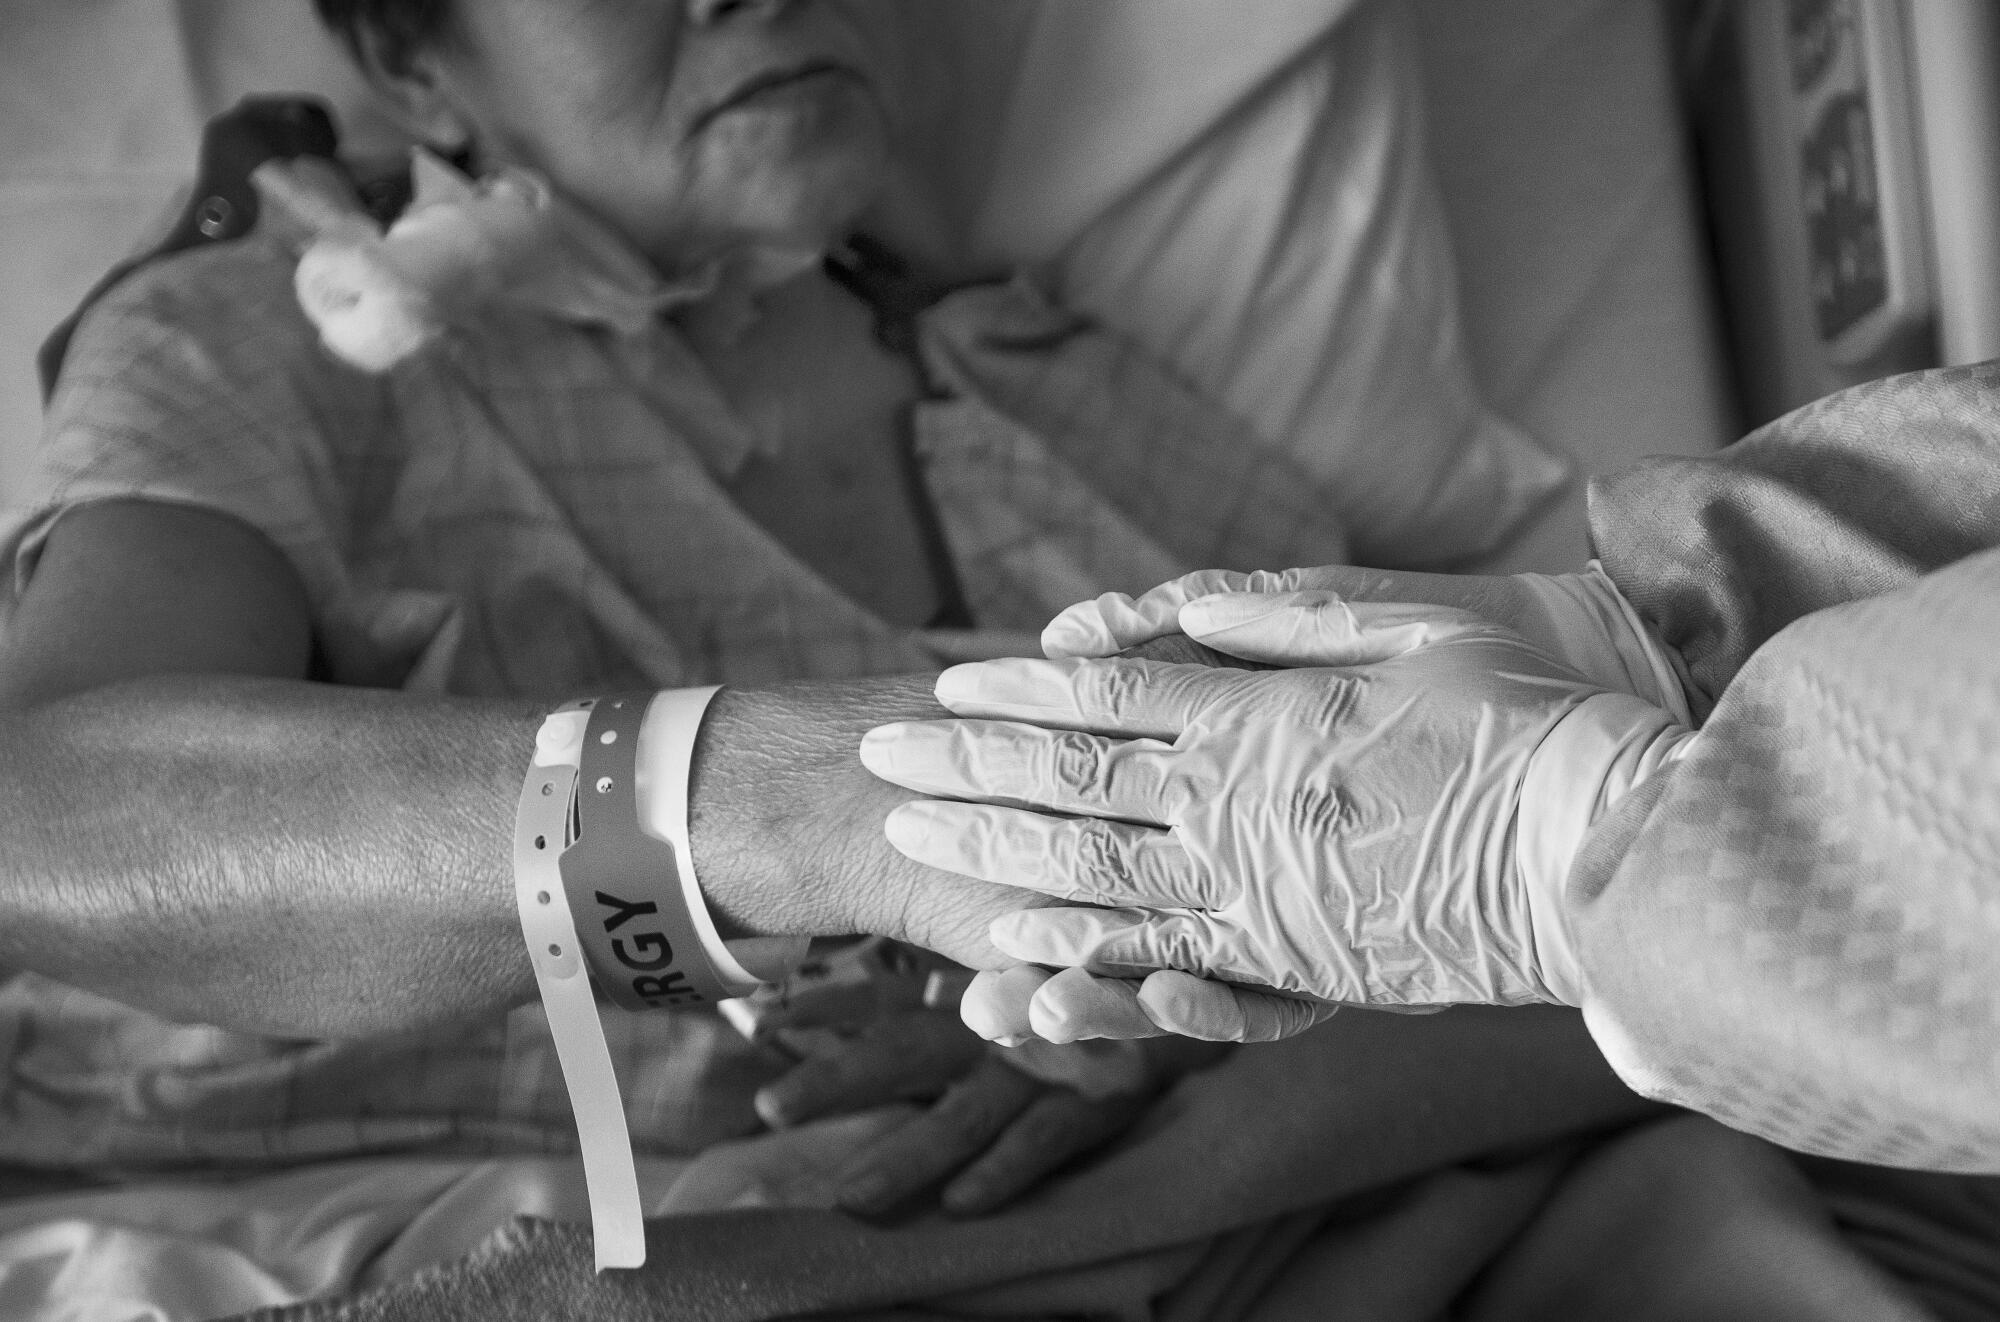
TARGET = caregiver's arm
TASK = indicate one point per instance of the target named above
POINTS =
(1797, 928)
(1855, 495)
(188, 825)
(1835, 822)
(1793, 922)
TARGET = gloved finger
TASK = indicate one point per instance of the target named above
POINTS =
(932, 1146)
(1128, 697)
(1124, 942)
(1215, 1012)
(1056, 1127)
(1029, 767)
(944, 988)
(1321, 628)
(1076, 1005)
(913, 1055)
(995, 1003)
(1107, 625)
(1089, 860)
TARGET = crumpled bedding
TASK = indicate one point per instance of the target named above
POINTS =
(174, 1249)
(170, 1250)
(1271, 1187)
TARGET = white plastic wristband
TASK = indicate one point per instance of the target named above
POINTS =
(664, 755)
(541, 828)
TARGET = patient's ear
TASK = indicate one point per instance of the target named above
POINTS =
(416, 83)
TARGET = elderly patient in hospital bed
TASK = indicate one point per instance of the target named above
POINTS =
(760, 426)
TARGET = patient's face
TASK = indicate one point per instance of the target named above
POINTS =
(696, 126)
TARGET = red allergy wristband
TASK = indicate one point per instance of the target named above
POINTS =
(623, 885)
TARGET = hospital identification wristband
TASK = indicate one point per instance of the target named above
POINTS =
(541, 831)
(601, 830)
(646, 928)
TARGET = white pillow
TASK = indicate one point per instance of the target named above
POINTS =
(1291, 257)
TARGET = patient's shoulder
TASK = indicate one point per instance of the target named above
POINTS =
(207, 350)
(197, 380)
(224, 308)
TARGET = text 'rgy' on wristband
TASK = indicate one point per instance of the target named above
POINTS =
(637, 910)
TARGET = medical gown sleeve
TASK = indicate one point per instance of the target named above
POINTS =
(1797, 928)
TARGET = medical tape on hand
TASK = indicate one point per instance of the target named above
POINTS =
(541, 828)
(635, 896)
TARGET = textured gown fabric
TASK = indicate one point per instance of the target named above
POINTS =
(1797, 929)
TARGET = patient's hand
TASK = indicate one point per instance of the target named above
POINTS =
(786, 824)
(990, 1131)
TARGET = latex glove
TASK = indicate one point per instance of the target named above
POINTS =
(1581, 620)
(1394, 832)
(995, 1123)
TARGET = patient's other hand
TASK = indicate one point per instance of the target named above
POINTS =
(991, 1129)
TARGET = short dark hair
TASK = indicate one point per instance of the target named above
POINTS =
(398, 29)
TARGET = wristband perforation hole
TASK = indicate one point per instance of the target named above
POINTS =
(604, 784)
(555, 950)
(608, 737)
(542, 897)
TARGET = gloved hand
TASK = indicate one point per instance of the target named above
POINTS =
(1393, 832)
(1578, 619)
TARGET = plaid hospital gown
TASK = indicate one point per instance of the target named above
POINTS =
(534, 508)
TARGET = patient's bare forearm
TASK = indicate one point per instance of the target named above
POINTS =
(267, 855)
(300, 859)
